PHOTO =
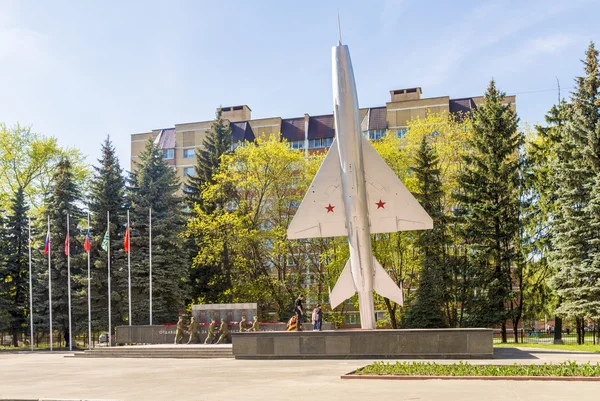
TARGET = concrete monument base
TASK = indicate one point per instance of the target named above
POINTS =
(354, 344)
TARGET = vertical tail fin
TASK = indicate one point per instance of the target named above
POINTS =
(344, 288)
(384, 285)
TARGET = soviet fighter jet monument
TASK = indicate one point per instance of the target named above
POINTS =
(356, 194)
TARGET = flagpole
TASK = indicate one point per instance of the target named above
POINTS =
(89, 251)
(68, 251)
(108, 250)
(129, 265)
(49, 283)
(30, 292)
(150, 243)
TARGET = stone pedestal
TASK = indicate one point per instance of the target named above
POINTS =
(351, 344)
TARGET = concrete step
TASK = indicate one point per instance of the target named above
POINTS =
(172, 356)
(222, 351)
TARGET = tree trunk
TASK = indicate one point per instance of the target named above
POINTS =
(392, 313)
(504, 337)
(516, 330)
(557, 330)
(580, 330)
(15, 337)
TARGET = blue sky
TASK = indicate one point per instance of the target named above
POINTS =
(80, 70)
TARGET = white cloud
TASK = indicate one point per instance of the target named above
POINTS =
(392, 13)
(483, 27)
(548, 44)
(24, 50)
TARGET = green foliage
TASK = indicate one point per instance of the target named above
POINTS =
(14, 270)
(449, 135)
(568, 368)
(154, 185)
(395, 251)
(426, 311)
(566, 347)
(208, 159)
(28, 160)
(245, 239)
(576, 242)
(490, 200)
(64, 198)
(107, 195)
(207, 282)
(538, 214)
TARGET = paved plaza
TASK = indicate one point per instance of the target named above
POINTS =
(42, 374)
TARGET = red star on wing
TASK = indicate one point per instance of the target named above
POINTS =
(380, 204)
(329, 208)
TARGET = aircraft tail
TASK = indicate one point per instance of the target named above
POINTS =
(344, 288)
(382, 284)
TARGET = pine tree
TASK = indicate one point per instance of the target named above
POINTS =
(154, 185)
(427, 312)
(14, 270)
(540, 215)
(5, 279)
(208, 159)
(208, 280)
(576, 240)
(63, 199)
(107, 194)
(491, 199)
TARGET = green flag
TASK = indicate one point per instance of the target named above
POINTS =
(105, 241)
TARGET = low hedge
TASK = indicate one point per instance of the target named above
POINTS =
(567, 368)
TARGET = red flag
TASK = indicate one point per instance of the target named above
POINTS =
(87, 245)
(67, 245)
(126, 243)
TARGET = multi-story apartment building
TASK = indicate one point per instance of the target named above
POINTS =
(307, 133)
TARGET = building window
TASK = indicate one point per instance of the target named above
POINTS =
(168, 153)
(374, 134)
(188, 172)
(401, 132)
(320, 143)
(289, 260)
(188, 153)
(297, 144)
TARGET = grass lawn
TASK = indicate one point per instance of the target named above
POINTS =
(567, 347)
(466, 369)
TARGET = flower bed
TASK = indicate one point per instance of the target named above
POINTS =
(430, 370)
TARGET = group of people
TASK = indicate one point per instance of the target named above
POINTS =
(316, 318)
(221, 335)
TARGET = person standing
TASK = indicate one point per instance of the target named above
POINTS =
(179, 331)
(193, 331)
(317, 318)
(299, 312)
(243, 324)
(210, 338)
(255, 324)
(224, 331)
